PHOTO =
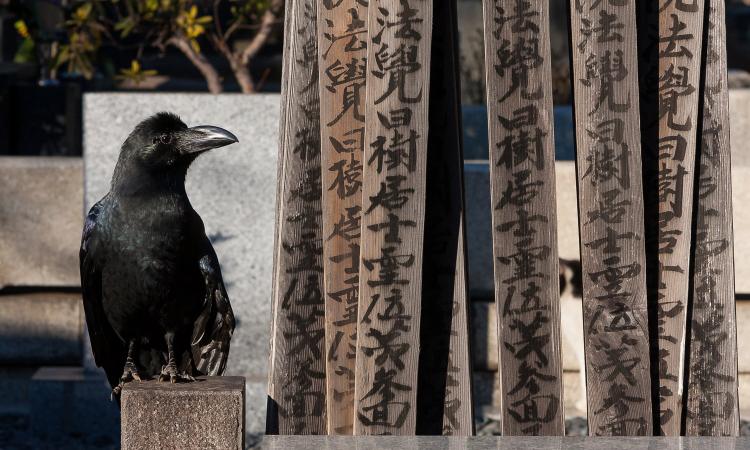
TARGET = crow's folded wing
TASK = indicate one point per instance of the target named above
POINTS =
(109, 351)
(214, 327)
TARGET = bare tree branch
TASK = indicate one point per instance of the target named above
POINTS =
(200, 62)
(267, 24)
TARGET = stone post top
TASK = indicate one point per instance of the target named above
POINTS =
(201, 384)
(202, 414)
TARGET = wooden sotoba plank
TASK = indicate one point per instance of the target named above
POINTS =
(297, 390)
(712, 400)
(680, 38)
(342, 48)
(610, 204)
(444, 402)
(396, 133)
(522, 168)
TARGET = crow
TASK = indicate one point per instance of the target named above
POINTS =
(153, 293)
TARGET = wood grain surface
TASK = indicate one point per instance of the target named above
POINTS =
(610, 210)
(522, 178)
(712, 400)
(396, 130)
(297, 389)
(342, 49)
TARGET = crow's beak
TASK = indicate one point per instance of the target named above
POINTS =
(205, 137)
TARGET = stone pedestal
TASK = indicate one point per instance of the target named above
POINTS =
(207, 413)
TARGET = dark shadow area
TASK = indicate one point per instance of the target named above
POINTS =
(648, 80)
(443, 217)
(272, 416)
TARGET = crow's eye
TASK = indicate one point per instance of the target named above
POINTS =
(163, 139)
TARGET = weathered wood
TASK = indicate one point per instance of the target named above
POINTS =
(522, 176)
(444, 403)
(712, 401)
(342, 48)
(296, 403)
(610, 205)
(396, 133)
(680, 36)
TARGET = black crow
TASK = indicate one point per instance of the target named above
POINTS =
(154, 298)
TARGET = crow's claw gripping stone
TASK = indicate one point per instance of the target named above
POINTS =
(116, 391)
(129, 373)
(171, 374)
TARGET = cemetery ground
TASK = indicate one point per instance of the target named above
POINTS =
(44, 364)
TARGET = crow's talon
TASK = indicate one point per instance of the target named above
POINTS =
(130, 372)
(116, 391)
(171, 374)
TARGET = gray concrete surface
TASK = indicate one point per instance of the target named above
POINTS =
(41, 328)
(233, 189)
(206, 414)
(41, 199)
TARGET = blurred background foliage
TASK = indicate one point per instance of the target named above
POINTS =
(233, 30)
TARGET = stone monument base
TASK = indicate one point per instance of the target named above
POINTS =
(207, 413)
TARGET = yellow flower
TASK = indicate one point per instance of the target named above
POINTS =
(135, 73)
(191, 24)
(22, 29)
(82, 12)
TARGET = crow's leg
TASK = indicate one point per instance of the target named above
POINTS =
(130, 371)
(170, 372)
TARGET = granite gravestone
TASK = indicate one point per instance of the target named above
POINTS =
(233, 189)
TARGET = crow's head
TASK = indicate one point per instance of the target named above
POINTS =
(162, 148)
(163, 141)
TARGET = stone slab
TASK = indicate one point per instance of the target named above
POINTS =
(500, 443)
(70, 403)
(41, 328)
(743, 338)
(233, 189)
(479, 222)
(479, 229)
(476, 142)
(739, 123)
(478, 195)
(40, 220)
(741, 217)
(207, 413)
(484, 335)
(479, 225)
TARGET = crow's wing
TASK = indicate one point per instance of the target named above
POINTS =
(109, 351)
(214, 327)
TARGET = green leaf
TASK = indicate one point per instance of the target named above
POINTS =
(26, 52)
